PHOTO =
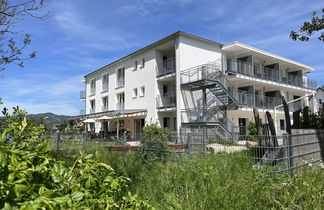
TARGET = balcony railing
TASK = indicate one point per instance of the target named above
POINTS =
(104, 108)
(120, 106)
(104, 87)
(92, 91)
(120, 82)
(92, 110)
(166, 100)
(82, 95)
(261, 72)
(266, 102)
(166, 67)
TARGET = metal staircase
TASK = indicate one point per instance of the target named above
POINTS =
(210, 77)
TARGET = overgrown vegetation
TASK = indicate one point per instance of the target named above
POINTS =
(30, 178)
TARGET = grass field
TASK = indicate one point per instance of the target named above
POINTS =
(212, 181)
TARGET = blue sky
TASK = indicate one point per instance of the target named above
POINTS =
(83, 35)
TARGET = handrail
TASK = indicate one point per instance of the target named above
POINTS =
(166, 100)
(165, 67)
(262, 72)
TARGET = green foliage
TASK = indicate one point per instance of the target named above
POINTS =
(309, 28)
(154, 143)
(218, 182)
(252, 132)
(30, 178)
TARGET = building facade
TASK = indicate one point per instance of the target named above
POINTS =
(187, 82)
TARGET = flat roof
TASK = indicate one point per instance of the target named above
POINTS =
(236, 45)
(165, 39)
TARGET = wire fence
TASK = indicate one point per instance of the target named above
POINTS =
(289, 153)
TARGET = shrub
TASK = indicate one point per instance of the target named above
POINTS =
(154, 143)
(31, 179)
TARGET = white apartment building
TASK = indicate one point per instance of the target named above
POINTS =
(185, 81)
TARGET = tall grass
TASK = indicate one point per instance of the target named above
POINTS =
(216, 182)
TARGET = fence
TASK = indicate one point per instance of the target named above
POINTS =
(285, 153)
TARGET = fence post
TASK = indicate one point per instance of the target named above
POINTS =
(189, 145)
(58, 140)
(205, 140)
(84, 141)
(286, 138)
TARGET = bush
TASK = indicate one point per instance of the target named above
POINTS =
(31, 179)
(252, 132)
(154, 143)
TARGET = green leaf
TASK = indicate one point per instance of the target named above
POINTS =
(3, 160)
(62, 199)
(7, 206)
(77, 196)
(19, 189)
(6, 131)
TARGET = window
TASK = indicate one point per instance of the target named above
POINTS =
(135, 65)
(320, 101)
(104, 103)
(282, 124)
(142, 92)
(105, 82)
(92, 106)
(134, 92)
(143, 63)
(166, 122)
(120, 101)
(120, 77)
(93, 87)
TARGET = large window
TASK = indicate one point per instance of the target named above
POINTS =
(104, 103)
(105, 82)
(120, 77)
(120, 101)
(93, 87)
(92, 106)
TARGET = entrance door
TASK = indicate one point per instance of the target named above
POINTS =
(242, 126)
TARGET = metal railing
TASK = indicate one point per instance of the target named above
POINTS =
(92, 110)
(104, 108)
(166, 100)
(92, 91)
(105, 87)
(261, 72)
(201, 72)
(166, 67)
(210, 115)
(120, 82)
(120, 106)
(82, 95)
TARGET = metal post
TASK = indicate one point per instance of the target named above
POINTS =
(205, 140)
(286, 141)
(58, 140)
(189, 145)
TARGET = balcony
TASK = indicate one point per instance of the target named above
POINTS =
(92, 110)
(166, 67)
(82, 95)
(261, 72)
(92, 91)
(266, 102)
(120, 106)
(166, 100)
(120, 82)
(105, 87)
(104, 108)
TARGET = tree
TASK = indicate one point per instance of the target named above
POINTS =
(309, 28)
(11, 13)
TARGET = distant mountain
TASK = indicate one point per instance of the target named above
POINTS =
(50, 118)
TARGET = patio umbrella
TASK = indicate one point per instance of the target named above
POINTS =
(104, 118)
(89, 121)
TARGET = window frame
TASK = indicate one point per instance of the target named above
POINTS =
(103, 105)
(135, 90)
(142, 91)
(93, 90)
(102, 83)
